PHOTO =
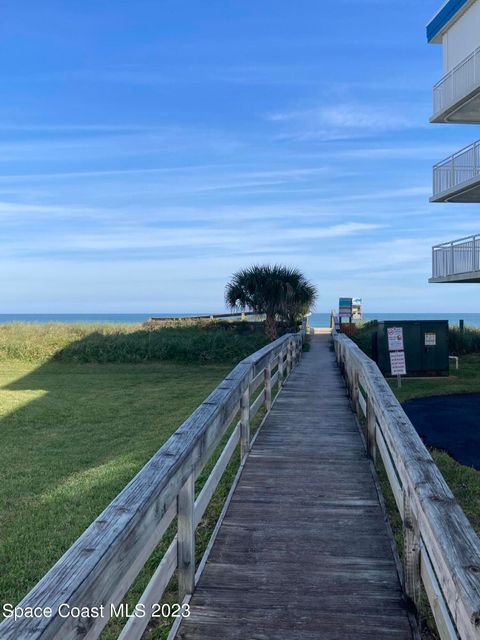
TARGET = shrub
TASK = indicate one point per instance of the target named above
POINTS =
(363, 336)
(466, 341)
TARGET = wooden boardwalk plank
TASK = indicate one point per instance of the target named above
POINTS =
(303, 552)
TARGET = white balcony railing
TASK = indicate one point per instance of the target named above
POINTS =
(458, 83)
(456, 170)
(456, 257)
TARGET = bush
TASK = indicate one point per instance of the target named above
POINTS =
(124, 343)
(363, 336)
(463, 342)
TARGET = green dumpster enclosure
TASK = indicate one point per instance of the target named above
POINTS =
(425, 343)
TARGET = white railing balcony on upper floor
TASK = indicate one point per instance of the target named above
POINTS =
(457, 179)
(458, 260)
(456, 97)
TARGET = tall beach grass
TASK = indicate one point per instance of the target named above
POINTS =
(463, 342)
(104, 343)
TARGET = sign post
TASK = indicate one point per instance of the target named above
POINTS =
(397, 353)
(345, 308)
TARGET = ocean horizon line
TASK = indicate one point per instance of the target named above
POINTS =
(317, 319)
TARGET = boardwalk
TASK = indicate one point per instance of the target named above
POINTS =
(303, 552)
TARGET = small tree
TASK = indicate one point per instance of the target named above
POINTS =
(277, 291)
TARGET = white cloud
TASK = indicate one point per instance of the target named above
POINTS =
(180, 239)
(347, 120)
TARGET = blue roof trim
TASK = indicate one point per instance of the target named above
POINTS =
(443, 17)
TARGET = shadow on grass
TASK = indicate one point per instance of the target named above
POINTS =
(73, 435)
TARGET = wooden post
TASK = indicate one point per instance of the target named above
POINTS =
(186, 539)
(268, 386)
(245, 424)
(371, 431)
(289, 358)
(411, 537)
(281, 357)
(348, 376)
(356, 393)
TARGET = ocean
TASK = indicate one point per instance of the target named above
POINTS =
(316, 320)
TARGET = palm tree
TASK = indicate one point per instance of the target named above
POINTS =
(277, 291)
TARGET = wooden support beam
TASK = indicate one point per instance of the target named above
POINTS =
(245, 424)
(371, 431)
(356, 393)
(289, 358)
(411, 552)
(268, 387)
(186, 539)
(281, 367)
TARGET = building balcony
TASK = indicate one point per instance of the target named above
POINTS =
(457, 179)
(456, 98)
(457, 261)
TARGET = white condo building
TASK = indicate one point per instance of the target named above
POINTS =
(456, 99)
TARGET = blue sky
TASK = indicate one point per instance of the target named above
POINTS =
(148, 149)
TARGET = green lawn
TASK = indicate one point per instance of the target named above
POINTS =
(465, 380)
(72, 436)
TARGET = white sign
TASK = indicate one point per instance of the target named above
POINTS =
(397, 363)
(430, 339)
(395, 338)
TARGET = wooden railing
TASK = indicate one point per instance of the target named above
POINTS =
(98, 570)
(229, 317)
(240, 315)
(441, 550)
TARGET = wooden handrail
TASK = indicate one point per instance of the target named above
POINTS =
(208, 316)
(441, 549)
(215, 316)
(102, 564)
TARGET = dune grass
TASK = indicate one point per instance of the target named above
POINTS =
(104, 343)
(466, 341)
